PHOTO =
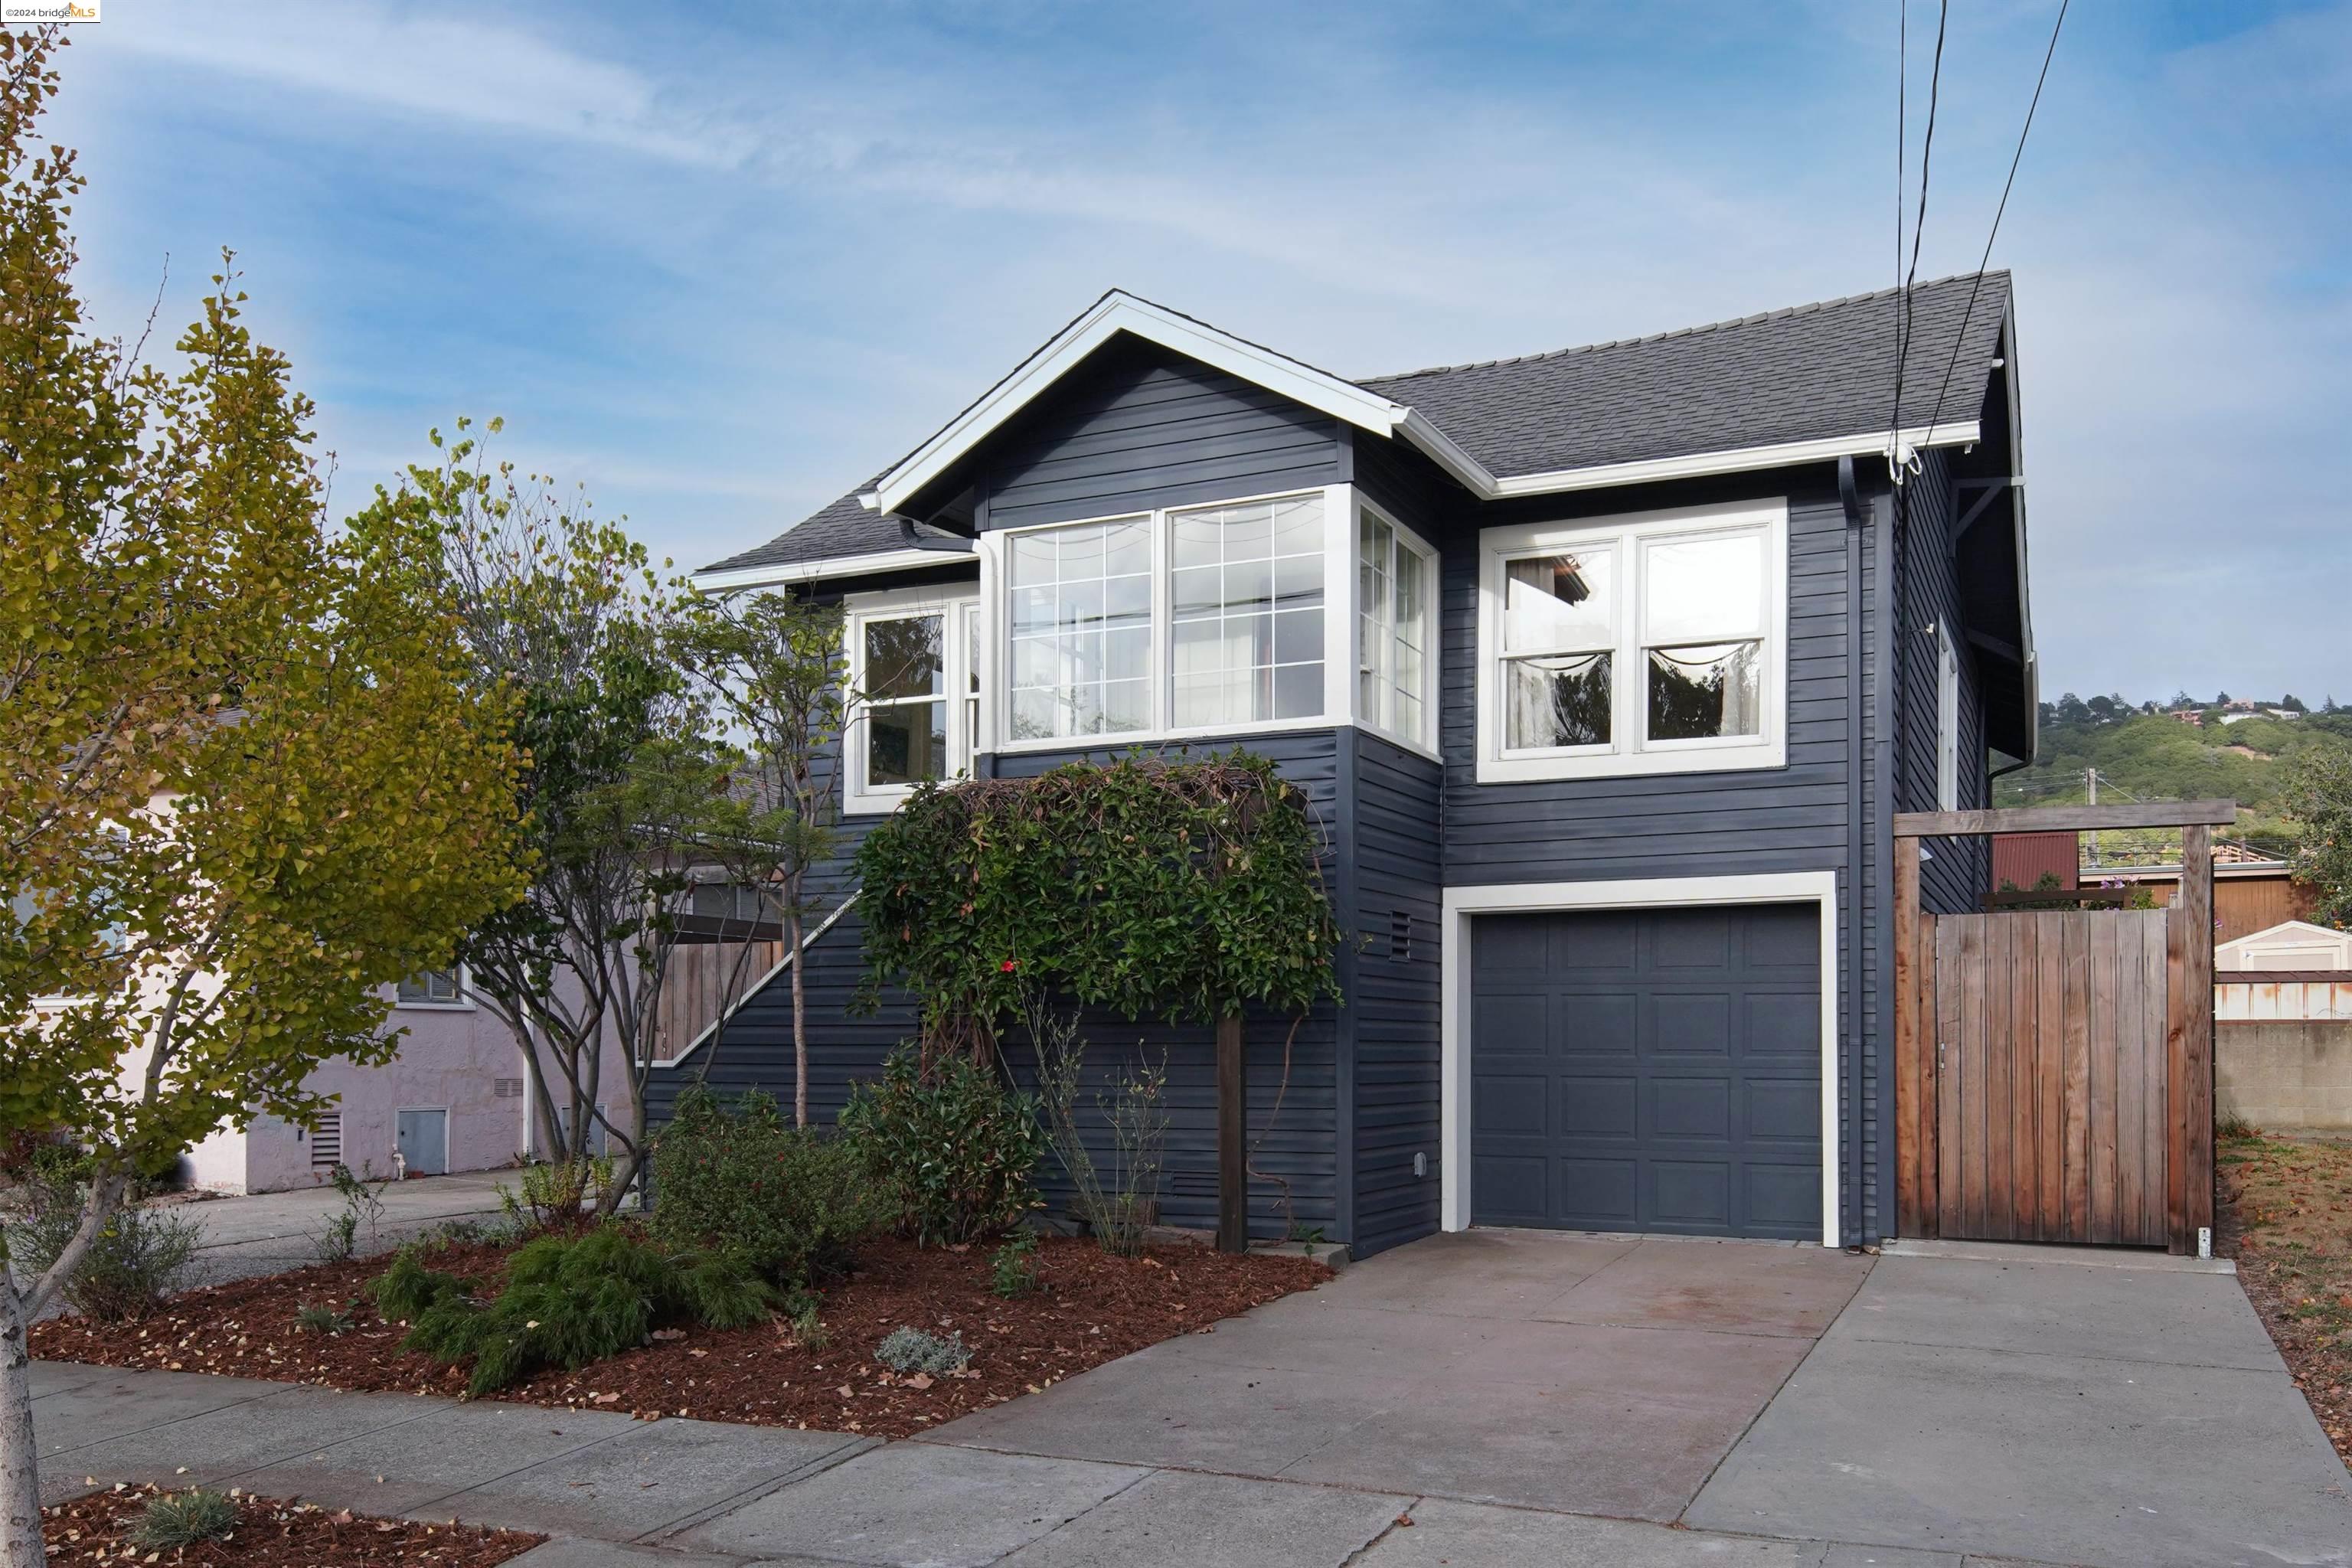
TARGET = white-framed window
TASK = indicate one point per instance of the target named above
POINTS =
(433, 988)
(1190, 620)
(1396, 667)
(914, 685)
(1650, 643)
(1947, 720)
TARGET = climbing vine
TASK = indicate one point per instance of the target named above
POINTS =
(1179, 890)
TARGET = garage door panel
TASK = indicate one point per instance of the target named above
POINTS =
(1600, 1108)
(1680, 1089)
(1510, 1026)
(1690, 1108)
(1599, 1194)
(1507, 1107)
(1784, 1024)
(1686, 1026)
(1515, 1189)
(1788, 1110)
(1601, 947)
(1689, 939)
(1690, 1195)
(1597, 1023)
(1784, 1200)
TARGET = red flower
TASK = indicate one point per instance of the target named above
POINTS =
(1009, 966)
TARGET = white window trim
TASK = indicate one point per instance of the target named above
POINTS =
(1629, 754)
(956, 604)
(1431, 651)
(1338, 629)
(1947, 720)
(1461, 905)
(464, 1004)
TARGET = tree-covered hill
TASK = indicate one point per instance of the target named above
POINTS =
(2146, 755)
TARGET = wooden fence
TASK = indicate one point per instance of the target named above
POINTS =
(2054, 1070)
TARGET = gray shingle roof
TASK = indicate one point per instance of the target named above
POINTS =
(1809, 373)
(844, 528)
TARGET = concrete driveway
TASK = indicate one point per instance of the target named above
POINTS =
(1576, 1373)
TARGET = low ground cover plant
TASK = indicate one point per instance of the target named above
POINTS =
(952, 1148)
(1012, 1267)
(567, 1301)
(176, 1521)
(907, 1350)
(789, 1202)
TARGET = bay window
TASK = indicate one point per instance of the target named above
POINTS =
(912, 714)
(1393, 667)
(1647, 644)
(1246, 600)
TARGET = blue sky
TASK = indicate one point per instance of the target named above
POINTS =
(720, 262)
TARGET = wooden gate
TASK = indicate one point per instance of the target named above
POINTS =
(2053, 1068)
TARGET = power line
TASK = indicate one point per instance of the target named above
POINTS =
(1978, 282)
(1918, 232)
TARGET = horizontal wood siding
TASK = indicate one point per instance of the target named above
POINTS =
(1394, 1001)
(1137, 426)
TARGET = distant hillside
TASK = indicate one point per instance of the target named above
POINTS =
(2152, 756)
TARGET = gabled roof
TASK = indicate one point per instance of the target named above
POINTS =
(1804, 384)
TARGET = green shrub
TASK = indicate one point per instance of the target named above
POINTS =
(953, 1150)
(179, 1519)
(788, 1203)
(142, 1257)
(569, 1300)
(1012, 1267)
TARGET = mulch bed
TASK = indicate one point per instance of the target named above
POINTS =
(272, 1534)
(1090, 1307)
(2287, 1215)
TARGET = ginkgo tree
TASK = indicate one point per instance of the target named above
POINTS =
(245, 781)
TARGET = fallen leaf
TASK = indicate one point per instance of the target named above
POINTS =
(920, 1379)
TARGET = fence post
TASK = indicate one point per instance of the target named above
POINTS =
(2194, 1061)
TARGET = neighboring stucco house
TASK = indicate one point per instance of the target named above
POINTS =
(1605, 668)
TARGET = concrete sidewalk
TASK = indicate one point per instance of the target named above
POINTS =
(618, 1493)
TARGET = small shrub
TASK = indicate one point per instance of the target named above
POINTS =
(338, 1240)
(179, 1519)
(1012, 1267)
(553, 1196)
(2232, 1125)
(911, 1350)
(789, 1202)
(808, 1331)
(953, 1151)
(142, 1258)
(569, 1300)
(1120, 1203)
(329, 1321)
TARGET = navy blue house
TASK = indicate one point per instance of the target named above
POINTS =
(1606, 669)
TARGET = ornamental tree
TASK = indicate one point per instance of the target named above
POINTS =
(770, 667)
(2319, 799)
(1183, 891)
(564, 610)
(246, 785)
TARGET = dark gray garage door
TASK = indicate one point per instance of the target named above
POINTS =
(1648, 1070)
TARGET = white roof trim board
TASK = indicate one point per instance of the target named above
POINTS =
(1114, 313)
(1119, 312)
(830, 567)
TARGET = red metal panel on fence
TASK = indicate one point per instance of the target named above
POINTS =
(2022, 859)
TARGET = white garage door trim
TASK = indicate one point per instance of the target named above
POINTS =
(1462, 904)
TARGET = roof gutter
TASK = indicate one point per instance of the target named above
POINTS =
(1417, 429)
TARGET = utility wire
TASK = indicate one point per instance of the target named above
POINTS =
(1918, 232)
(1978, 282)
